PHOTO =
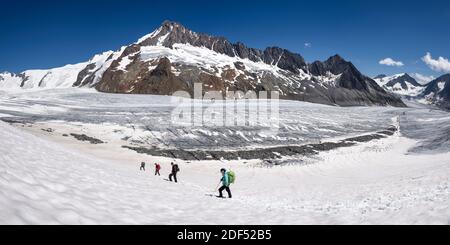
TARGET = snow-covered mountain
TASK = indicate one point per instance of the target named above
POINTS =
(173, 58)
(10, 80)
(438, 92)
(77, 75)
(402, 84)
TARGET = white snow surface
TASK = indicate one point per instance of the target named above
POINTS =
(63, 77)
(191, 55)
(150, 35)
(9, 81)
(441, 86)
(49, 179)
(374, 183)
(384, 80)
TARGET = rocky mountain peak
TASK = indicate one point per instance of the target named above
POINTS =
(439, 85)
(173, 27)
(445, 77)
(338, 65)
(336, 59)
(402, 80)
(171, 24)
(171, 33)
(406, 75)
(445, 93)
(380, 76)
(160, 35)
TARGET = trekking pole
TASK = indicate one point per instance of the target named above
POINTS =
(217, 187)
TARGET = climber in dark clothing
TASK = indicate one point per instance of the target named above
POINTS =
(175, 170)
(142, 166)
(157, 169)
(225, 183)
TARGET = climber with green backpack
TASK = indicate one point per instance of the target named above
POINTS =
(228, 178)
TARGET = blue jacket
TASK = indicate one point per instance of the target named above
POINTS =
(225, 180)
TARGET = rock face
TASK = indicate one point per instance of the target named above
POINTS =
(189, 57)
(438, 92)
(404, 81)
(173, 58)
(171, 33)
(401, 84)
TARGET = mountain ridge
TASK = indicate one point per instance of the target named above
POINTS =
(402, 84)
(190, 57)
(438, 92)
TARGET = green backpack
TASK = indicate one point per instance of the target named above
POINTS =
(231, 177)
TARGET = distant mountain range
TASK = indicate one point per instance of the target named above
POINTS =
(402, 84)
(173, 58)
(436, 92)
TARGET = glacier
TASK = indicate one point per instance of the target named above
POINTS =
(49, 177)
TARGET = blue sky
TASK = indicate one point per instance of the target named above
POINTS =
(45, 34)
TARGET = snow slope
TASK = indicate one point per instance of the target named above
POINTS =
(188, 54)
(9, 81)
(61, 77)
(46, 178)
(374, 183)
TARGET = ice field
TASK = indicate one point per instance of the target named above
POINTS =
(49, 177)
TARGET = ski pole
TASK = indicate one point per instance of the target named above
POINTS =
(217, 186)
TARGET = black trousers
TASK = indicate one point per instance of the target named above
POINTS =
(226, 188)
(174, 175)
(157, 172)
(142, 168)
